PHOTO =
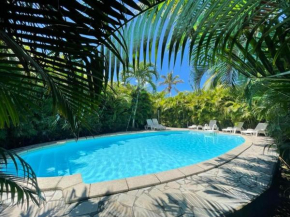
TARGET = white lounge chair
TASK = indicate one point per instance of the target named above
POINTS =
(260, 128)
(160, 126)
(192, 127)
(150, 125)
(199, 127)
(237, 127)
(212, 126)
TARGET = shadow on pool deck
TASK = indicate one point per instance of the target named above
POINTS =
(217, 192)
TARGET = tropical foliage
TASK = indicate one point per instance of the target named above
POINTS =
(222, 104)
(273, 103)
(143, 73)
(113, 114)
(18, 181)
(62, 49)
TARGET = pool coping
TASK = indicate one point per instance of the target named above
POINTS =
(74, 189)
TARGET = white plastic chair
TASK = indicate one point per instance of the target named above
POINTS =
(160, 126)
(260, 128)
(150, 125)
(212, 125)
(237, 127)
(192, 127)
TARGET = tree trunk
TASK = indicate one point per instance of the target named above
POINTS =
(135, 109)
(158, 114)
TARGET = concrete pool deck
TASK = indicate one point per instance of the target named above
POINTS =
(212, 188)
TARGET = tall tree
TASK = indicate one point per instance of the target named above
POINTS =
(144, 74)
(171, 82)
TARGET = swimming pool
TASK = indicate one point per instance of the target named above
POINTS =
(121, 156)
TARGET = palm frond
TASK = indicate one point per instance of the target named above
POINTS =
(18, 183)
(67, 49)
(245, 34)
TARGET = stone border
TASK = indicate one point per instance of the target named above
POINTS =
(75, 190)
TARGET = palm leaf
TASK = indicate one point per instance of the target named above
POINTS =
(219, 29)
(18, 183)
(60, 43)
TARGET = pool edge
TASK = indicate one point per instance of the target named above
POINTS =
(74, 189)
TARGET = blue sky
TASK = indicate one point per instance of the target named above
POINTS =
(181, 68)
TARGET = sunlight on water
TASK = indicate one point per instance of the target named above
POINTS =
(116, 157)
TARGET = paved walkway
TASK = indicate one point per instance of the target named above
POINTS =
(213, 193)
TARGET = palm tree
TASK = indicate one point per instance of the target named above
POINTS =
(143, 73)
(171, 82)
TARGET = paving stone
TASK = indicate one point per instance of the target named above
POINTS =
(188, 215)
(200, 212)
(146, 202)
(68, 181)
(181, 181)
(141, 212)
(113, 197)
(127, 200)
(218, 200)
(161, 186)
(186, 181)
(69, 207)
(264, 181)
(173, 210)
(48, 183)
(52, 208)
(75, 193)
(2, 208)
(224, 188)
(194, 200)
(48, 193)
(142, 181)
(193, 187)
(248, 181)
(107, 188)
(171, 204)
(78, 216)
(133, 192)
(173, 185)
(169, 175)
(212, 172)
(159, 197)
(84, 208)
(115, 209)
(175, 195)
(240, 194)
(13, 211)
(57, 195)
(190, 170)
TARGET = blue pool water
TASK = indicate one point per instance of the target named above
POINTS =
(116, 157)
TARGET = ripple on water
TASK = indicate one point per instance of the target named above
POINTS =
(117, 157)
